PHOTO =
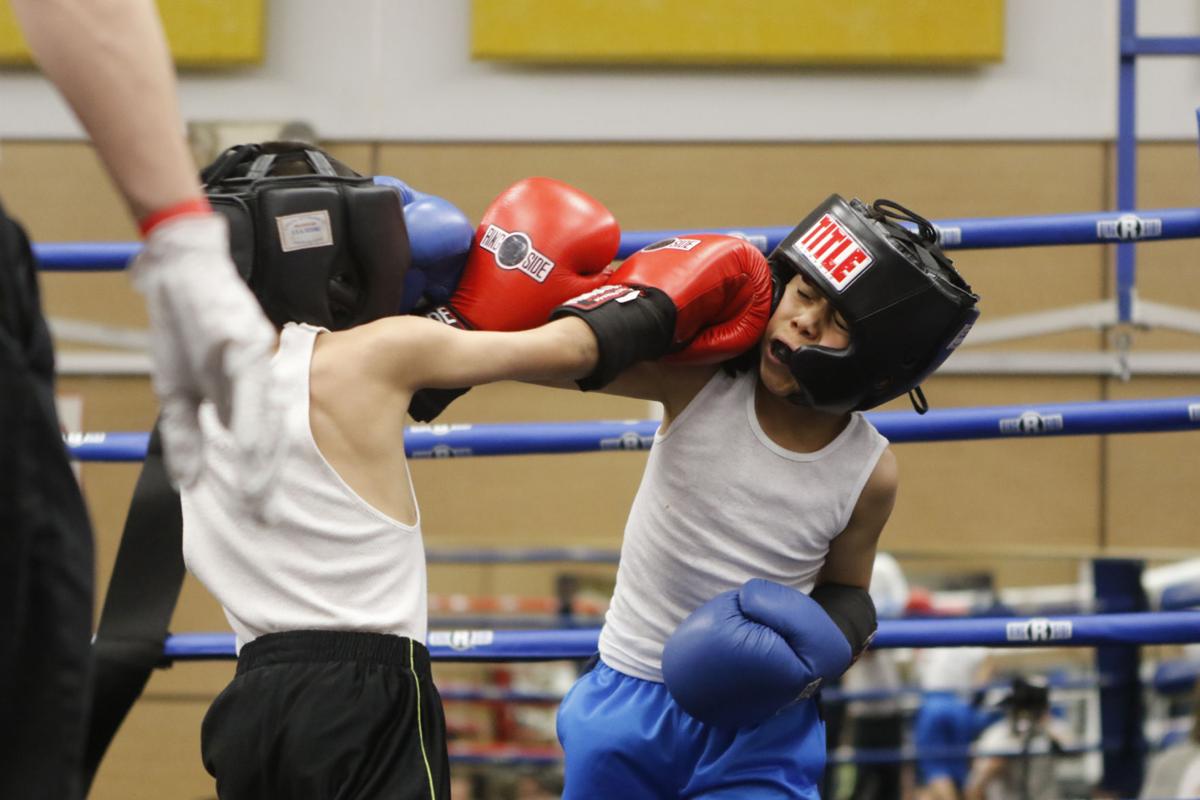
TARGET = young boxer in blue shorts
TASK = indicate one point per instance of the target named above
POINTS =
(749, 546)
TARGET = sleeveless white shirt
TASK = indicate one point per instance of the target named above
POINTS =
(721, 503)
(326, 559)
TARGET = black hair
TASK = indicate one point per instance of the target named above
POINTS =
(1029, 696)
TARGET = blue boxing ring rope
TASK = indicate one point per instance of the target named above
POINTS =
(1106, 227)
(938, 425)
(1173, 627)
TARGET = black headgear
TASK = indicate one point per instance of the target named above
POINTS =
(316, 241)
(1029, 696)
(906, 306)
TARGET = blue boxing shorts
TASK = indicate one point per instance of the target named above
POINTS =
(625, 737)
(944, 728)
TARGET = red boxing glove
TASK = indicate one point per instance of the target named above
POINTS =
(539, 243)
(701, 299)
(721, 288)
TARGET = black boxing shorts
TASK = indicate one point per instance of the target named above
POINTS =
(328, 714)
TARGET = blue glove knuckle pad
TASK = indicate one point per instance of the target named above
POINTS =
(746, 654)
(440, 237)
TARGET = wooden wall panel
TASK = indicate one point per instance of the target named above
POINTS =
(1150, 502)
(1150, 480)
(110, 404)
(1168, 272)
(999, 496)
(1031, 567)
(157, 752)
(60, 193)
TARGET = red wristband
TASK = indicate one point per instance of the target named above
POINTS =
(196, 205)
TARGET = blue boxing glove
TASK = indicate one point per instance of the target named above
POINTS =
(746, 654)
(439, 236)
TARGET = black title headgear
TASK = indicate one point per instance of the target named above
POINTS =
(316, 241)
(906, 306)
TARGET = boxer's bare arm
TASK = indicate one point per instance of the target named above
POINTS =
(407, 353)
(852, 552)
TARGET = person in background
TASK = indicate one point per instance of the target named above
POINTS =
(1175, 770)
(948, 720)
(1033, 739)
(110, 62)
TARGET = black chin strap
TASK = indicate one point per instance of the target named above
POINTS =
(917, 397)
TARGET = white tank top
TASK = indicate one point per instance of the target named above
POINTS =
(326, 559)
(721, 503)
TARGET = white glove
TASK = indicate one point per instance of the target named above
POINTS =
(210, 341)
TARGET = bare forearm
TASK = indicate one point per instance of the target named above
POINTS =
(415, 353)
(571, 348)
(109, 59)
(558, 352)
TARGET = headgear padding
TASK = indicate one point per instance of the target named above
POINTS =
(316, 241)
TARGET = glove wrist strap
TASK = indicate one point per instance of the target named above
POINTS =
(630, 324)
(852, 610)
(447, 314)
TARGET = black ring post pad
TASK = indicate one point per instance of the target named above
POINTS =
(631, 324)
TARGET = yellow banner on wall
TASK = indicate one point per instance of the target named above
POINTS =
(202, 33)
(815, 32)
